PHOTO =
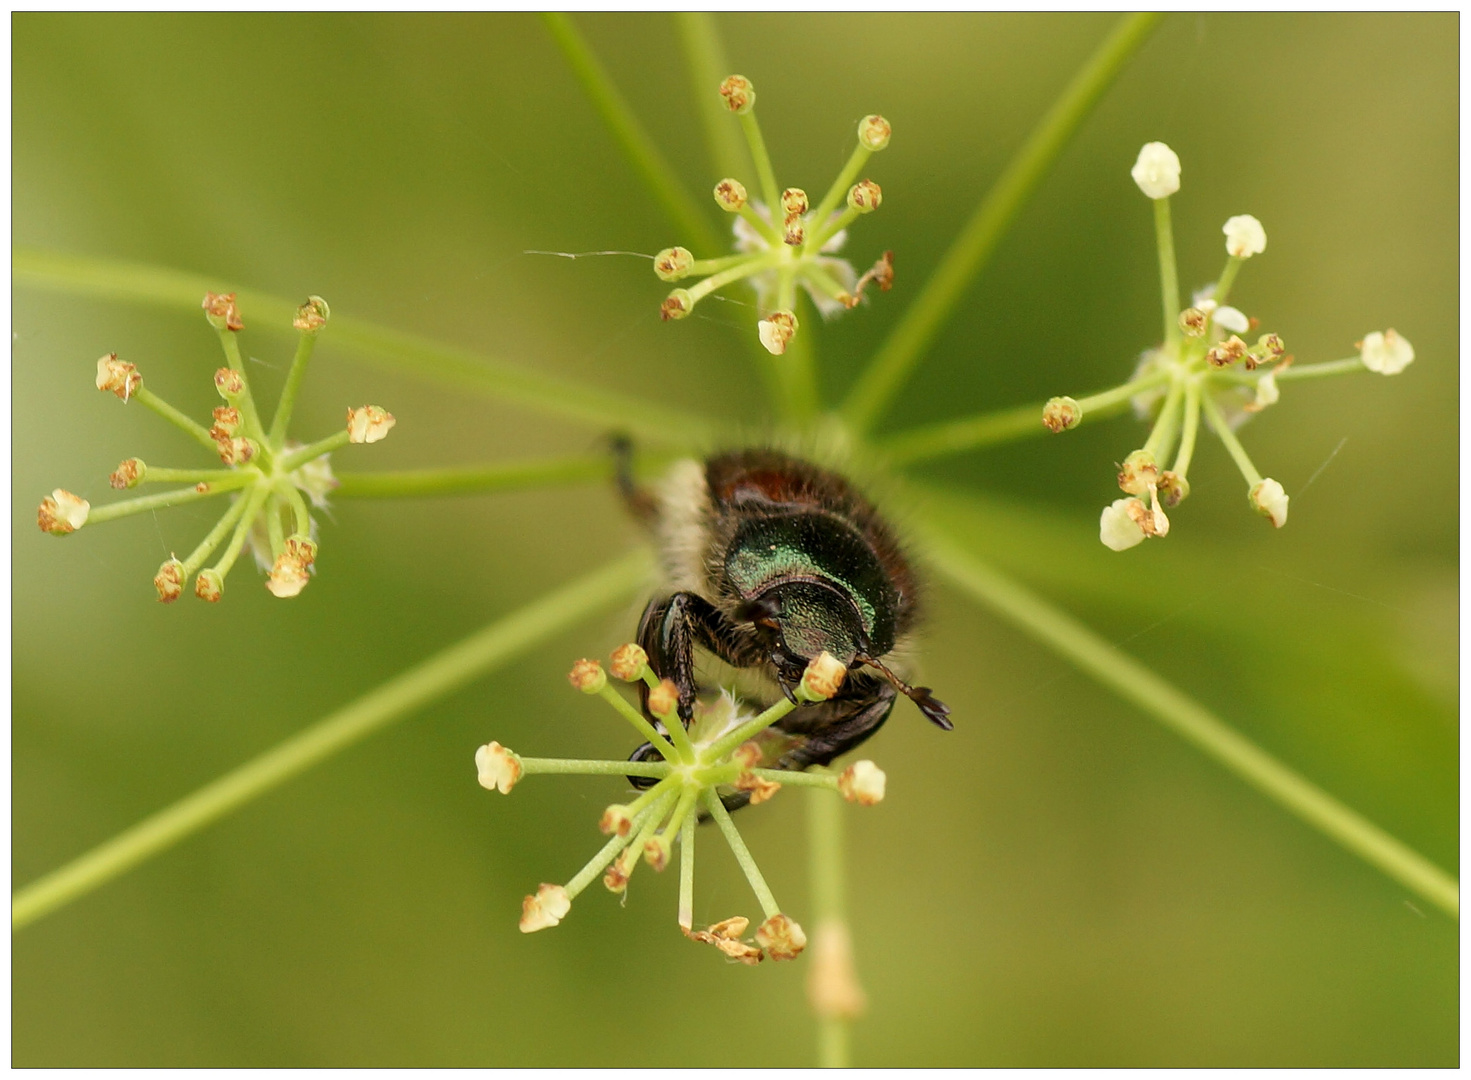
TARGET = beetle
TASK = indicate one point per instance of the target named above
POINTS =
(769, 560)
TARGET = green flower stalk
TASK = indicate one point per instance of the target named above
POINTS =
(1203, 368)
(273, 482)
(717, 756)
(782, 242)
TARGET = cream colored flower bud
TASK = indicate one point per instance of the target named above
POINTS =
(1267, 393)
(865, 196)
(1157, 171)
(874, 132)
(676, 305)
(671, 264)
(61, 512)
(288, 576)
(664, 699)
(227, 423)
(628, 662)
(1173, 489)
(128, 474)
(369, 424)
(823, 678)
(616, 820)
(1194, 322)
(730, 194)
(793, 232)
(169, 581)
(781, 937)
(1139, 473)
(312, 315)
(1061, 413)
(862, 783)
(118, 376)
(1245, 236)
(1118, 528)
(1268, 499)
(230, 383)
(209, 586)
(1386, 353)
(587, 676)
(301, 548)
(236, 451)
(546, 909)
(1232, 319)
(739, 94)
(497, 768)
(1226, 353)
(776, 331)
(220, 310)
(793, 201)
(656, 852)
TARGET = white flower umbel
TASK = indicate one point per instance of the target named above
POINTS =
(1386, 353)
(1157, 171)
(723, 756)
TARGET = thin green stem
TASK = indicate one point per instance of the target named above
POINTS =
(827, 781)
(275, 530)
(154, 475)
(635, 141)
(450, 366)
(1191, 427)
(829, 878)
(743, 855)
(639, 721)
(731, 739)
(249, 417)
(212, 540)
(839, 189)
(972, 249)
(498, 643)
(682, 809)
(687, 873)
(1007, 425)
(1227, 279)
(714, 266)
(752, 130)
(252, 500)
(681, 738)
(476, 479)
(753, 264)
(1169, 276)
(284, 407)
(1347, 366)
(1233, 444)
(297, 458)
(1140, 685)
(763, 227)
(198, 432)
(610, 851)
(823, 231)
(299, 512)
(580, 767)
(177, 497)
(707, 68)
(1162, 436)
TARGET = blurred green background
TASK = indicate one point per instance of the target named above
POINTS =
(1057, 882)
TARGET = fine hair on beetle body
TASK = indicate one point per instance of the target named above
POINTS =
(768, 560)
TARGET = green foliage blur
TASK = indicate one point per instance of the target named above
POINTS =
(1058, 881)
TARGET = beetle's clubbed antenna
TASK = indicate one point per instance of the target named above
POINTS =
(934, 709)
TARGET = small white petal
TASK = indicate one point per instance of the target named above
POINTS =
(1386, 353)
(1231, 319)
(1245, 236)
(1157, 171)
(862, 782)
(1117, 528)
(1270, 500)
(1267, 392)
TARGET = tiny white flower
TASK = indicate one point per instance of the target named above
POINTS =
(1117, 528)
(1232, 319)
(1267, 393)
(1269, 500)
(61, 512)
(1386, 353)
(1157, 172)
(368, 424)
(862, 782)
(546, 909)
(498, 768)
(776, 331)
(1245, 236)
